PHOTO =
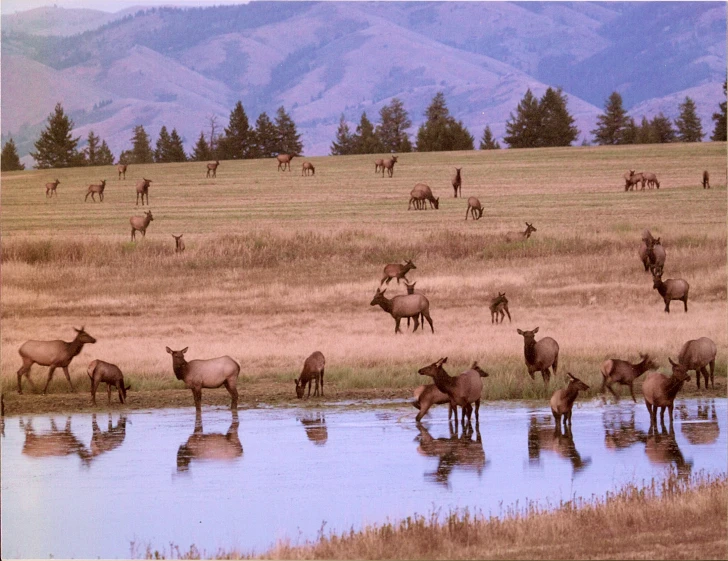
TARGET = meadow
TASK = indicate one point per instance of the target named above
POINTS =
(278, 265)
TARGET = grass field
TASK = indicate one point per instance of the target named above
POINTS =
(278, 265)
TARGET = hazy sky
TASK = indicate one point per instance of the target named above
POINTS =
(10, 6)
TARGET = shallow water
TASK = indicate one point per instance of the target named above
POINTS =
(75, 487)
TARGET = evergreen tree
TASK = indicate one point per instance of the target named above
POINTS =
(90, 153)
(266, 137)
(288, 139)
(126, 157)
(644, 132)
(524, 129)
(161, 153)
(56, 148)
(236, 143)
(9, 160)
(557, 125)
(719, 132)
(392, 130)
(201, 151)
(104, 157)
(611, 124)
(141, 151)
(176, 148)
(488, 142)
(630, 132)
(441, 132)
(689, 127)
(364, 140)
(343, 145)
(661, 129)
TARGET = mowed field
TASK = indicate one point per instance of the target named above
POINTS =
(279, 265)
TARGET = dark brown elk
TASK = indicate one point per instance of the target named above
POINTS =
(463, 390)
(121, 168)
(56, 354)
(616, 371)
(461, 452)
(51, 188)
(428, 395)
(388, 166)
(499, 307)
(421, 193)
(100, 371)
(179, 244)
(671, 289)
(397, 271)
(650, 179)
(644, 253)
(106, 441)
(647, 236)
(315, 427)
(696, 355)
(457, 184)
(56, 443)
(520, 236)
(541, 355)
(562, 400)
(216, 447)
(404, 306)
(660, 391)
(706, 180)
(211, 373)
(378, 165)
(308, 167)
(474, 208)
(284, 160)
(543, 437)
(656, 254)
(627, 179)
(313, 371)
(140, 223)
(96, 189)
(212, 169)
(142, 188)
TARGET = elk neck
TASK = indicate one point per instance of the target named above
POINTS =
(529, 351)
(444, 382)
(673, 386)
(180, 369)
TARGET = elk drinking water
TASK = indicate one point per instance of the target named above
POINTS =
(499, 307)
(308, 167)
(313, 370)
(100, 371)
(671, 289)
(520, 236)
(474, 208)
(51, 188)
(388, 166)
(395, 270)
(96, 189)
(142, 188)
(121, 168)
(179, 244)
(428, 395)
(284, 160)
(210, 373)
(56, 354)
(616, 371)
(457, 184)
(660, 391)
(404, 306)
(696, 355)
(562, 400)
(541, 355)
(140, 223)
(212, 169)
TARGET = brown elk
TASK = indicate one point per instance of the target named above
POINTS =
(627, 179)
(543, 437)
(95, 189)
(100, 371)
(616, 371)
(454, 452)
(142, 188)
(428, 395)
(313, 370)
(647, 236)
(284, 160)
(378, 165)
(51, 188)
(308, 167)
(106, 441)
(660, 391)
(211, 446)
(650, 179)
(562, 400)
(315, 427)
(411, 290)
(474, 208)
(388, 166)
(457, 183)
(656, 254)
(121, 168)
(56, 354)
(210, 374)
(541, 355)
(56, 443)
(633, 181)
(697, 354)
(179, 244)
(395, 270)
(520, 236)
(140, 223)
(499, 307)
(706, 179)
(671, 289)
(421, 193)
(404, 306)
(212, 169)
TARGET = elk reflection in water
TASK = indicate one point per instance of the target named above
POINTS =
(212, 446)
(542, 436)
(53, 443)
(315, 427)
(112, 438)
(462, 452)
(700, 427)
(661, 448)
(620, 430)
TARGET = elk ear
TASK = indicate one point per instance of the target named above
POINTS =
(519, 331)
(183, 351)
(474, 365)
(570, 375)
(169, 350)
(535, 330)
(671, 362)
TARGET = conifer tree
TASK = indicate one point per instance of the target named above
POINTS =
(611, 124)
(141, 151)
(365, 141)
(661, 129)
(644, 132)
(266, 137)
(557, 125)
(630, 132)
(176, 148)
(689, 127)
(90, 153)
(392, 129)
(161, 152)
(236, 142)
(288, 139)
(201, 151)
(343, 145)
(56, 148)
(719, 132)
(523, 130)
(104, 156)
(9, 160)
(441, 132)
(488, 142)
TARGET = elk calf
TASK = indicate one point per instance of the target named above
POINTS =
(96, 189)
(474, 208)
(179, 244)
(395, 270)
(142, 188)
(616, 371)
(562, 400)
(457, 184)
(428, 395)
(499, 306)
(313, 370)
(520, 236)
(660, 391)
(121, 168)
(140, 223)
(100, 371)
(308, 167)
(212, 168)
(541, 355)
(421, 193)
(706, 180)
(404, 306)
(696, 354)
(388, 166)
(671, 289)
(51, 188)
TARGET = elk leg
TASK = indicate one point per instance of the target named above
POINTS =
(50, 375)
(322, 382)
(121, 391)
(631, 390)
(429, 320)
(108, 393)
(685, 301)
(697, 378)
(315, 393)
(546, 374)
(94, 386)
(197, 395)
(396, 325)
(712, 371)
(417, 323)
(68, 377)
(233, 390)
(477, 412)
(101, 197)
(667, 306)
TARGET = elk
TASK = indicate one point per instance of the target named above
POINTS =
(378, 165)
(106, 441)
(94, 189)
(388, 166)
(656, 254)
(404, 306)
(395, 270)
(315, 427)
(51, 188)
(562, 400)
(457, 184)
(706, 180)
(462, 390)
(284, 160)
(210, 446)
(121, 168)
(140, 223)
(499, 306)
(650, 179)
(632, 181)
(100, 371)
(660, 391)
(56, 354)
(313, 370)
(426, 396)
(474, 208)
(142, 188)
(421, 193)
(179, 244)
(616, 371)
(212, 169)
(518, 236)
(210, 373)
(411, 290)
(627, 179)
(308, 167)
(541, 355)
(697, 354)
(671, 289)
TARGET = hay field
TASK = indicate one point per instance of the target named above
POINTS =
(278, 265)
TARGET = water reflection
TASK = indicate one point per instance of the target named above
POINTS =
(620, 430)
(315, 426)
(106, 441)
(661, 448)
(461, 451)
(699, 423)
(545, 436)
(212, 446)
(53, 443)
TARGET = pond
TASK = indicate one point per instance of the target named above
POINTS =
(88, 486)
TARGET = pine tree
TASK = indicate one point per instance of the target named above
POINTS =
(141, 151)
(611, 124)
(9, 160)
(236, 143)
(630, 132)
(719, 132)
(661, 129)
(201, 151)
(524, 129)
(56, 148)
(90, 153)
(104, 156)
(287, 138)
(266, 137)
(161, 152)
(689, 127)
(176, 148)
(364, 140)
(488, 142)
(441, 132)
(557, 125)
(343, 145)
(392, 130)
(644, 132)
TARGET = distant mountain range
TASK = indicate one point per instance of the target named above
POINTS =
(177, 67)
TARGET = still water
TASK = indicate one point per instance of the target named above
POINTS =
(85, 486)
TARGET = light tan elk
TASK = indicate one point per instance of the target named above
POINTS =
(404, 306)
(397, 271)
(696, 355)
(212, 169)
(51, 188)
(457, 183)
(100, 371)
(313, 371)
(315, 427)
(284, 160)
(671, 289)
(616, 371)
(428, 395)
(56, 443)
(454, 452)
(142, 188)
(474, 208)
(210, 374)
(216, 447)
(650, 179)
(562, 400)
(419, 195)
(378, 165)
(660, 391)
(388, 166)
(633, 181)
(499, 307)
(179, 244)
(106, 441)
(514, 236)
(96, 189)
(308, 167)
(541, 355)
(140, 223)
(56, 354)
(121, 168)
(706, 180)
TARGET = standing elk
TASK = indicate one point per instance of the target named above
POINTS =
(212, 169)
(142, 188)
(428, 395)
(51, 188)
(140, 223)
(628, 179)
(284, 160)
(56, 354)
(96, 189)
(210, 374)
(397, 271)
(179, 244)
(650, 179)
(633, 180)
(616, 371)
(388, 166)
(660, 391)
(474, 208)
(514, 236)
(499, 307)
(404, 306)
(541, 355)
(656, 254)
(457, 184)
(562, 400)
(378, 165)
(671, 289)
(211, 446)
(100, 371)
(308, 167)
(313, 371)
(421, 193)
(706, 179)
(697, 354)
(121, 168)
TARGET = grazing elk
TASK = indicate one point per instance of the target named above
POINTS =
(95, 189)
(616, 371)
(56, 354)
(562, 400)
(474, 208)
(628, 179)
(308, 167)
(388, 166)
(106, 441)
(671, 289)
(179, 244)
(632, 182)
(541, 355)
(121, 168)
(697, 354)
(395, 270)
(660, 391)
(212, 169)
(100, 371)
(210, 373)
(378, 165)
(457, 184)
(650, 179)
(462, 390)
(313, 370)
(421, 193)
(499, 307)
(454, 452)
(315, 427)
(284, 160)
(404, 306)
(56, 443)
(520, 236)
(51, 188)
(211, 446)
(140, 223)
(543, 437)
(706, 180)
(142, 188)
(428, 395)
